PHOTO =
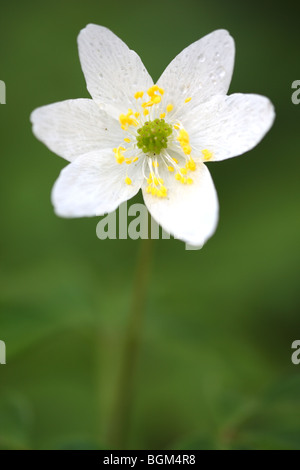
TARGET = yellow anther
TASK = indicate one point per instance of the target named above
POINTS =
(148, 189)
(127, 140)
(188, 99)
(128, 161)
(175, 160)
(119, 154)
(164, 191)
(135, 159)
(152, 90)
(126, 120)
(178, 176)
(148, 104)
(189, 181)
(169, 108)
(155, 180)
(183, 137)
(128, 180)
(136, 115)
(146, 112)
(154, 98)
(184, 140)
(176, 126)
(206, 154)
(187, 149)
(191, 165)
(162, 115)
(161, 180)
(171, 168)
(139, 94)
(155, 164)
(183, 171)
(183, 180)
(153, 191)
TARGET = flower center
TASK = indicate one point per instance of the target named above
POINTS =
(151, 139)
(153, 136)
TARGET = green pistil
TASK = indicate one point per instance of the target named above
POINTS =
(153, 136)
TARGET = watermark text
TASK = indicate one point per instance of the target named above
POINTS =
(2, 352)
(117, 225)
(296, 354)
(2, 92)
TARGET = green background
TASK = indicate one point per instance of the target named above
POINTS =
(214, 368)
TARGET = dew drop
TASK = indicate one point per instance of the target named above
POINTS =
(216, 57)
(221, 72)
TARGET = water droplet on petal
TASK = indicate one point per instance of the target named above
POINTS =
(216, 57)
(221, 72)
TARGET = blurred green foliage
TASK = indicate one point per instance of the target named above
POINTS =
(214, 370)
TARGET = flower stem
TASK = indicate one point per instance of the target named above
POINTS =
(125, 386)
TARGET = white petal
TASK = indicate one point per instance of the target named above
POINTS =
(189, 212)
(231, 125)
(200, 71)
(94, 184)
(74, 127)
(112, 71)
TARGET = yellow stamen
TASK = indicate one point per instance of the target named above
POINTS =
(128, 180)
(147, 104)
(135, 159)
(184, 140)
(171, 168)
(126, 120)
(188, 99)
(146, 112)
(189, 181)
(169, 108)
(139, 94)
(119, 154)
(191, 165)
(127, 140)
(155, 164)
(128, 161)
(206, 154)
(164, 191)
(162, 115)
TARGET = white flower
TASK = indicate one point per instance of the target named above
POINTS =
(133, 134)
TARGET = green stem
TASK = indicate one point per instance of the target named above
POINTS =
(125, 390)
